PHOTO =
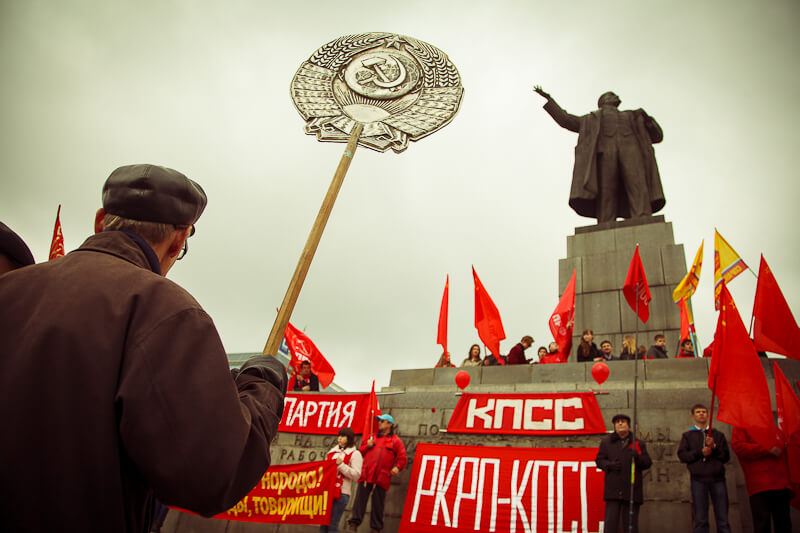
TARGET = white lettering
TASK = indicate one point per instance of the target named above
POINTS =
(311, 409)
(481, 412)
(562, 403)
(495, 490)
(347, 412)
(426, 492)
(516, 497)
(322, 407)
(297, 415)
(333, 415)
(498, 414)
(288, 402)
(547, 423)
(460, 494)
(561, 465)
(441, 491)
(550, 497)
(585, 466)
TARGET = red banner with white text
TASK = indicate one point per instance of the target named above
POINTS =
(463, 489)
(323, 414)
(289, 494)
(565, 413)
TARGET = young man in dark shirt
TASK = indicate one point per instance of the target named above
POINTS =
(306, 380)
(659, 349)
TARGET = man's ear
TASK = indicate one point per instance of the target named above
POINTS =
(176, 245)
(99, 224)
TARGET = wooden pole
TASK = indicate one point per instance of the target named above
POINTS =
(285, 312)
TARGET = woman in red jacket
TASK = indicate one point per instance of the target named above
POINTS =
(384, 457)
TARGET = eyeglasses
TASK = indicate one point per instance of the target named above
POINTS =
(185, 250)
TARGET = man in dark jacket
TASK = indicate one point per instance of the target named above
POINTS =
(659, 349)
(384, 457)
(516, 356)
(306, 380)
(705, 454)
(114, 385)
(616, 454)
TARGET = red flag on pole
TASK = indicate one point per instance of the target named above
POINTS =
(57, 244)
(736, 377)
(303, 349)
(636, 287)
(788, 406)
(441, 336)
(370, 423)
(487, 319)
(562, 320)
(774, 329)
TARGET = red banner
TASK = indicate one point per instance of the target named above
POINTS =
(481, 488)
(289, 494)
(323, 414)
(565, 413)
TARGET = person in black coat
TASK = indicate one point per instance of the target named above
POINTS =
(306, 380)
(614, 457)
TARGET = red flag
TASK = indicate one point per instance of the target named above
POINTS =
(373, 410)
(562, 320)
(303, 349)
(636, 288)
(57, 244)
(774, 329)
(737, 378)
(487, 319)
(788, 406)
(441, 336)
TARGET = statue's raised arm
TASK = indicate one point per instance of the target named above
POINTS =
(615, 173)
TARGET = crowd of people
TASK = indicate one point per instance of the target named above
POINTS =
(586, 351)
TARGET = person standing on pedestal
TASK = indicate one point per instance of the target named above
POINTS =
(615, 172)
(516, 356)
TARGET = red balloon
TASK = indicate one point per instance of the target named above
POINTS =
(600, 372)
(462, 379)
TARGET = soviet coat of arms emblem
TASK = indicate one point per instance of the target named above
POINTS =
(398, 87)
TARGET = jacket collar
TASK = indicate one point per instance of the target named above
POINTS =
(124, 245)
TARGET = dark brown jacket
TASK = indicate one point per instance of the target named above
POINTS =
(114, 386)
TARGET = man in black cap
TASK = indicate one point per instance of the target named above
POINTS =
(114, 385)
(14, 253)
(617, 451)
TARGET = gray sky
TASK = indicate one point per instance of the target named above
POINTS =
(203, 87)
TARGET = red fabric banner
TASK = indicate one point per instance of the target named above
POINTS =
(564, 413)
(441, 332)
(737, 378)
(370, 425)
(562, 320)
(464, 489)
(289, 494)
(487, 319)
(304, 350)
(324, 414)
(774, 327)
(57, 243)
(788, 406)
(636, 288)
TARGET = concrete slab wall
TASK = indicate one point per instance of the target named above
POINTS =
(422, 401)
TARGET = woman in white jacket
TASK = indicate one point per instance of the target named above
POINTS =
(349, 461)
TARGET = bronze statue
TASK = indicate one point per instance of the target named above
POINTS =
(615, 173)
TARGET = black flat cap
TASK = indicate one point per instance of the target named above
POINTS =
(12, 246)
(151, 193)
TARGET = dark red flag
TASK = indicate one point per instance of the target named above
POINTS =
(774, 329)
(788, 406)
(636, 288)
(562, 320)
(373, 410)
(57, 244)
(441, 335)
(303, 349)
(487, 319)
(736, 377)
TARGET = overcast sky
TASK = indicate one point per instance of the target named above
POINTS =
(203, 87)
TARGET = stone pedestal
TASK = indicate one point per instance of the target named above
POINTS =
(602, 254)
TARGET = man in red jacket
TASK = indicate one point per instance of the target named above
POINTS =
(384, 457)
(767, 477)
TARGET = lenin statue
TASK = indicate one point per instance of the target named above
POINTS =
(615, 173)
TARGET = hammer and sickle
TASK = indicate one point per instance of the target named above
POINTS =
(376, 65)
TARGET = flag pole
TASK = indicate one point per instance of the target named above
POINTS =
(303, 264)
(633, 429)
